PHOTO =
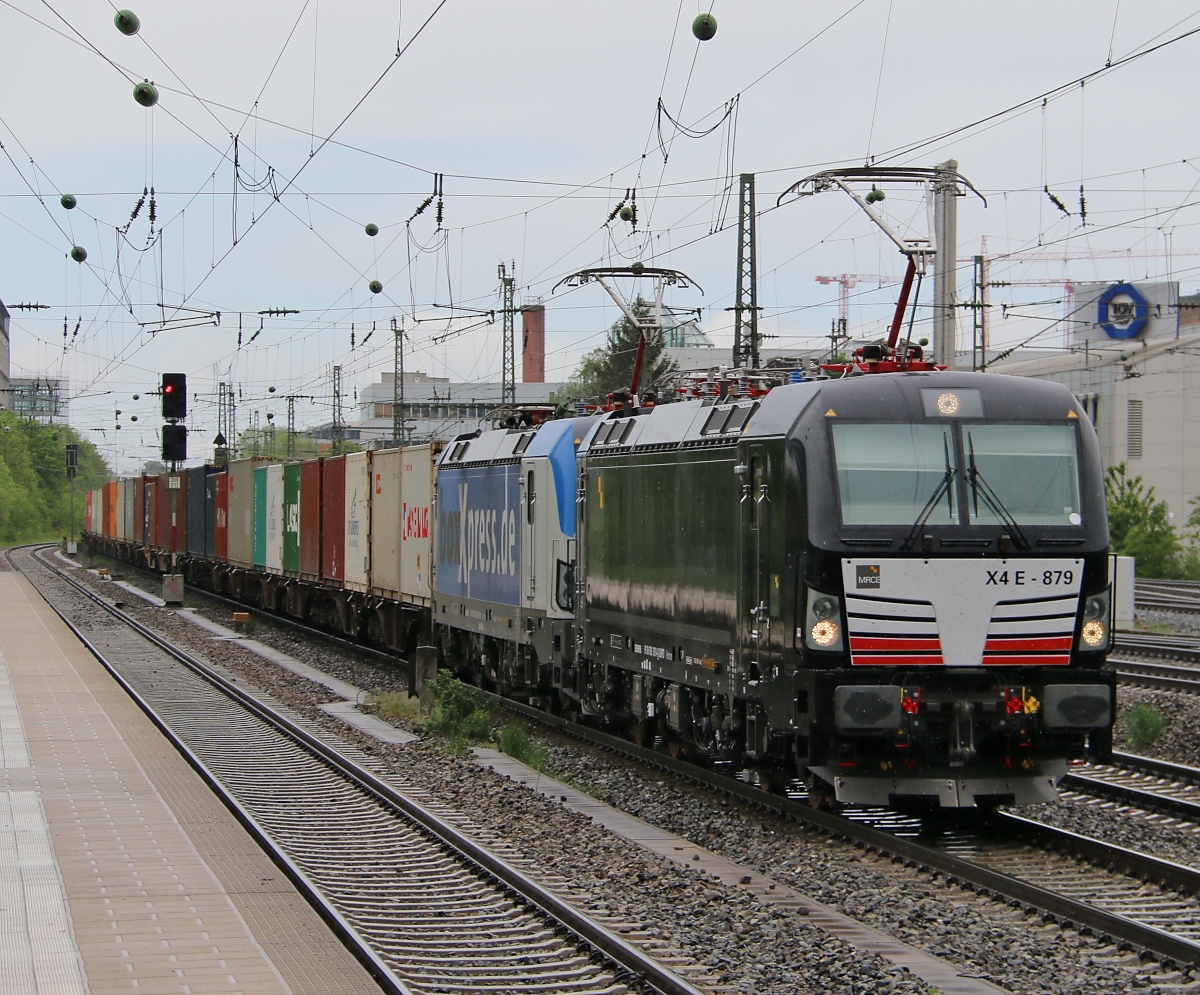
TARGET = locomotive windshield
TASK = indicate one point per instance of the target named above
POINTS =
(1033, 471)
(887, 473)
(891, 474)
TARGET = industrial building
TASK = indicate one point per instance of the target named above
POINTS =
(1133, 364)
(42, 399)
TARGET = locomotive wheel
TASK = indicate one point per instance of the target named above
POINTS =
(642, 733)
(821, 795)
(675, 747)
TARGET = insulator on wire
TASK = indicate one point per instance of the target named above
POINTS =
(1056, 202)
(1082, 206)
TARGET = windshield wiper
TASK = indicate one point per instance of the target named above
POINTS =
(943, 489)
(981, 488)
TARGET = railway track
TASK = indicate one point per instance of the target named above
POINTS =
(1136, 900)
(1168, 595)
(1142, 782)
(424, 905)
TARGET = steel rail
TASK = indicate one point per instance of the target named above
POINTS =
(958, 870)
(303, 883)
(1158, 676)
(1095, 782)
(623, 954)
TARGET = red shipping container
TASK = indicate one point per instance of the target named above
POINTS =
(171, 513)
(110, 509)
(139, 518)
(310, 519)
(333, 520)
(222, 550)
(151, 511)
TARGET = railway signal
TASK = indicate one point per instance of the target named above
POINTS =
(174, 395)
(174, 443)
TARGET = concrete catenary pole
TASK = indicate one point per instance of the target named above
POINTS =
(945, 220)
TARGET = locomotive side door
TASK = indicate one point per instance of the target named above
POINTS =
(756, 601)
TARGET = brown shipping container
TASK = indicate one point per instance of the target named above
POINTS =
(171, 513)
(333, 520)
(310, 519)
(222, 518)
(139, 518)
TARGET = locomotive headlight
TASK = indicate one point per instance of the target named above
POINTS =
(947, 404)
(825, 633)
(823, 608)
(822, 622)
(1094, 633)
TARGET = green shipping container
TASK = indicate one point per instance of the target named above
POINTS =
(291, 519)
(260, 518)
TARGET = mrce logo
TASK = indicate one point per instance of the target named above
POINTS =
(866, 577)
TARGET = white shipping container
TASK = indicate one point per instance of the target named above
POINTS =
(385, 522)
(358, 522)
(274, 552)
(416, 489)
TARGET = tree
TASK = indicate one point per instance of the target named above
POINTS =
(610, 367)
(1139, 526)
(35, 494)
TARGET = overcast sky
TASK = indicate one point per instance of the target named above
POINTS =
(539, 116)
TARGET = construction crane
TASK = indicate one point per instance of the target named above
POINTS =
(847, 281)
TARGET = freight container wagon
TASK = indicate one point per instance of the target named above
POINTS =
(148, 511)
(260, 518)
(110, 509)
(333, 521)
(221, 516)
(310, 519)
(196, 516)
(139, 510)
(273, 555)
(386, 513)
(291, 519)
(358, 521)
(416, 491)
(171, 513)
(128, 505)
(240, 508)
(88, 503)
(210, 513)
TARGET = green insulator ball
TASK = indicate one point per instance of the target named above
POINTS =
(133, 417)
(68, 201)
(146, 93)
(627, 213)
(704, 27)
(372, 229)
(638, 267)
(922, 342)
(375, 287)
(874, 196)
(127, 22)
(78, 253)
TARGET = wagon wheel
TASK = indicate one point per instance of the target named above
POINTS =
(642, 732)
(675, 747)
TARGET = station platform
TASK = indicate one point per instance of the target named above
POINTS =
(120, 871)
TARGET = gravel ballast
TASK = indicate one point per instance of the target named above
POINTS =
(751, 947)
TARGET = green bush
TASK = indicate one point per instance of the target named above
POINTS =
(515, 741)
(1143, 725)
(458, 712)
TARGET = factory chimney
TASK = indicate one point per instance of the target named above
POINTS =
(533, 351)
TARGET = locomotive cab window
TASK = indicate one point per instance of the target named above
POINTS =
(887, 474)
(1031, 470)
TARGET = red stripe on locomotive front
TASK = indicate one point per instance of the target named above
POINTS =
(893, 643)
(1029, 645)
(895, 661)
(997, 660)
